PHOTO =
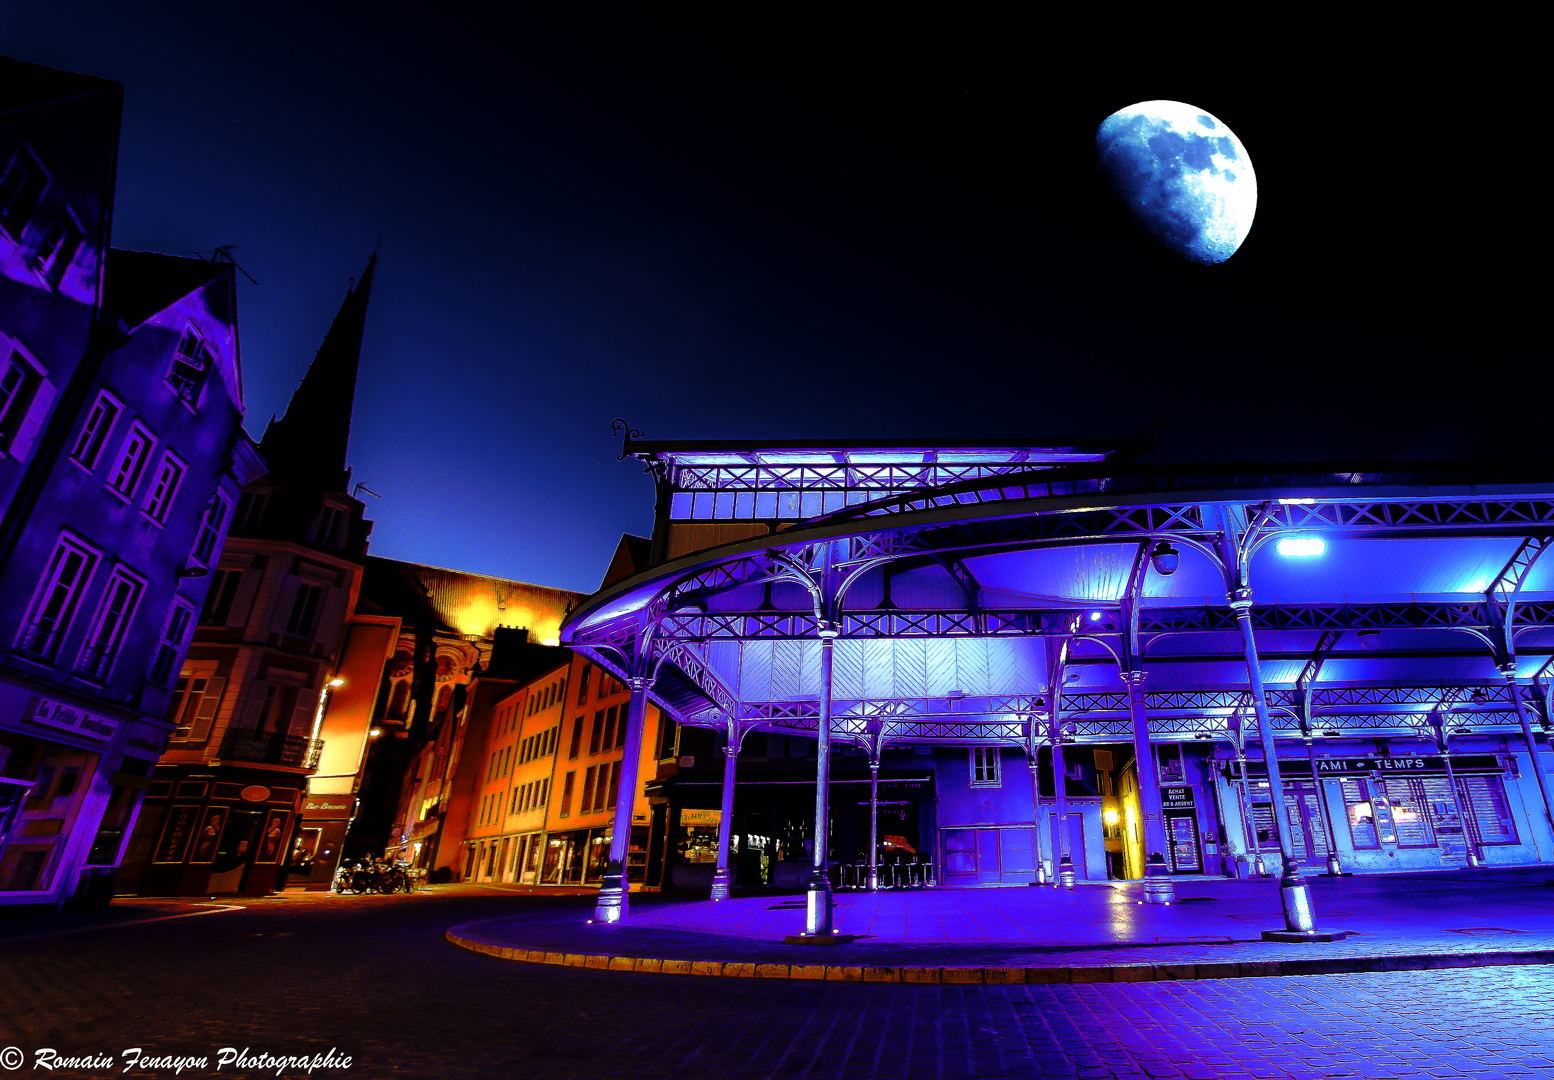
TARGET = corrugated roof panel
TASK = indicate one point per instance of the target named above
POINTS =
(1081, 572)
(1357, 567)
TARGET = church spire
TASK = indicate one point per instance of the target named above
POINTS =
(308, 444)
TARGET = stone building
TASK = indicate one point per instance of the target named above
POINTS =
(121, 457)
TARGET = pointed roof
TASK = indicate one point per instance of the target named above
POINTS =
(140, 284)
(308, 444)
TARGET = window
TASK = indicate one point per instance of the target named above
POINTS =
(174, 634)
(609, 726)
(132, 460)
(54, 604)
(164, 489)
(218, 601)
(566, 794)
(615, 784)
(304, 609)
(984, 767)
(1410, 812)
(582, 684)
(577, 739)
(58, 248)
(196, 696)
(208, 542)
(328, 532)
(1491, 813)
(99, 425)
(21, 189)
(101, 648)
(596, 734)
(191, 363)
(586, 804)
(276, 709)
(250, 510)
(19, 382)
(1361, 815)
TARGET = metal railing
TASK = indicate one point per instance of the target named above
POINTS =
(268, 749)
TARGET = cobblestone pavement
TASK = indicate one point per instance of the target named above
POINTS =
(373, 978)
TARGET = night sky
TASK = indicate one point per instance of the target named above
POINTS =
(786, 224)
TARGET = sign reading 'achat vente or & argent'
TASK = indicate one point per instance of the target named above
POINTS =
(68, 717)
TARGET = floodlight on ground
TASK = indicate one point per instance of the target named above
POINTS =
(1302, 547)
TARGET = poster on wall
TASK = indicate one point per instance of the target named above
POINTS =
(274, 833)
(177, 834)
(210, 835)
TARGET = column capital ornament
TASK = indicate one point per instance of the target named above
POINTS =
(1135, 676)
(639, 682)
(828, 631)
(1507, 670)
(1240, 598)
(731, 748)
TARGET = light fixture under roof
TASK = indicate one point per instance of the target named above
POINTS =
(1096, 616)
(1370, 637)
(1302, 547)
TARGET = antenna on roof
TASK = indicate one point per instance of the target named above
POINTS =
(223, 253)
(359, 488)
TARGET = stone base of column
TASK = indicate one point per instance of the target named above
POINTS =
(1158, 886)
(1298, 916)
(817, 907)
(1065, 873)
(1333, 869)
(874, 879)
(1300, 935)
(1473, 859)
(832, 938)
(720, 884)
(614, 897)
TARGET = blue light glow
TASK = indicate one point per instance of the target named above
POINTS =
(1095, 616)
(1302, 547)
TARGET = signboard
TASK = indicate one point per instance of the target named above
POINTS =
(701, 817)
(176, 835)
(1421, 763)
(69, 718)
(274, 833)
(328, 807)
(1176, 798)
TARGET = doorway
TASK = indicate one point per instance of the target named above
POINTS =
(235, 851)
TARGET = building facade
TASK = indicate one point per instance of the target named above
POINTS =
(247, 708)
(121, 457)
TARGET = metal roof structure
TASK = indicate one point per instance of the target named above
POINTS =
(985, 595)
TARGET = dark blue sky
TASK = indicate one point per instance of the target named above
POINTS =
(757, 226)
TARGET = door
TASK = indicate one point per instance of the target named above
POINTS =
(235, 851)
(989, 864)
(1182, 840)
(960, 856)
(1076, 846)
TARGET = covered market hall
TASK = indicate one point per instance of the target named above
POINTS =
(1071, 666)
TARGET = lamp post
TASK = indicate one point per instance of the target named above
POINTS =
(721, 877)
(817, 906)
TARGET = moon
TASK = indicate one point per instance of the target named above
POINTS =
(1182, 174)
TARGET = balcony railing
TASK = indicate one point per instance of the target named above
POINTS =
(266, 749)
(315, 749)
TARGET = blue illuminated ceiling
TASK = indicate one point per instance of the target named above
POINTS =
(953, 592)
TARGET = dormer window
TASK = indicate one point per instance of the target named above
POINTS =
(58, 248)
(191, 363)
(21, 189)
(330, 530)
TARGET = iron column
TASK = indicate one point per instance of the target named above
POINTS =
(1298, 916)
(1158, 887)
(1333, 867)
(1509, 671)
(615, 890)
(1060, 791)
(874, 823)
(817, 909)
(720, 878)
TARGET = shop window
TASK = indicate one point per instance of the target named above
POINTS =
(191, 363)
(208, 542)
(984, 767)
(106, 411)
(21, 189)
(132, 460)
(164, 489)
(37, 827)
(101, 648)
(1410, 812)
(196, 696)
(1361, 815)
(1491, 812)
(57, 597)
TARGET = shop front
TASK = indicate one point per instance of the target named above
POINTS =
(70, 789)
(315, 849)
(1384, 813)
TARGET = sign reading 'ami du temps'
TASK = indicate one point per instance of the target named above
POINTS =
(1422, 763)
(69, 718)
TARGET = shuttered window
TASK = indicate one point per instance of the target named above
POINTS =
(1361, 815)
(1491, 812)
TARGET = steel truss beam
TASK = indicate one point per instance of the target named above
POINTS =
(1054, 622)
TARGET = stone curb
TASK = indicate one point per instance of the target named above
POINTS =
(1100, 973)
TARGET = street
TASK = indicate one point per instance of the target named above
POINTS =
(373, 979)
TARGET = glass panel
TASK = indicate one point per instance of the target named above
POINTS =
(1362, 819)
(1409, 816)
